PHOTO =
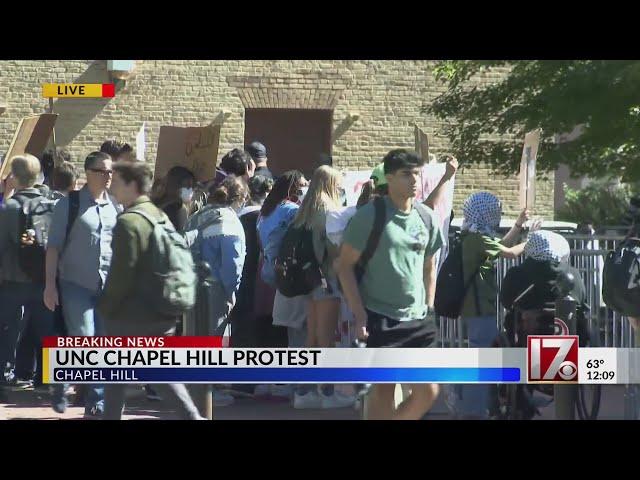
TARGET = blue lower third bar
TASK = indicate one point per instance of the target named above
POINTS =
(290, 375)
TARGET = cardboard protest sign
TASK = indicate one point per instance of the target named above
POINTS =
(422, 144)
(528, 170)
(31, 136)
(195, 148)
(353, 182)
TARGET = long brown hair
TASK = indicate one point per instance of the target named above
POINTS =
(283, 188)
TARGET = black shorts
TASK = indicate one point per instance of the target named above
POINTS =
(385, 332)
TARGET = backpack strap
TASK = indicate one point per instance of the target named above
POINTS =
(425, 214)
(379, 221)
(149, 218)
(22, 200)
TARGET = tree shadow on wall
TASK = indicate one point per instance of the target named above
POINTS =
(74, 114)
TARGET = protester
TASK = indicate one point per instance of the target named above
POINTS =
(221, 243)
(176, 196)
(49, 160)
(64, 179)
(218, 239)
(246, 329)
(118, 150)
(258, 153)
(481, 249)
(236, 162)
(18, 289)
(397, 288)
(324, 196)
(122, 306)
(249, 328)
(546, 262)
(276, 214)
(79, 256)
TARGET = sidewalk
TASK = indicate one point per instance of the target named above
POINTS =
(29, 404)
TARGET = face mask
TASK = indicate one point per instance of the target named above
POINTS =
(343, 197)
(186, 194)
(301, 193)
(40, 179)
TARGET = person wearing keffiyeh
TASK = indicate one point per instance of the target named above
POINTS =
(546, 258)
(481, 248)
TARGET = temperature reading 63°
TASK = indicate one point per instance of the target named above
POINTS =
(595, 363)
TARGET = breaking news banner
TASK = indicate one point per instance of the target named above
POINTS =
(550, 359)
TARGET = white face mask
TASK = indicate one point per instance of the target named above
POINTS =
(303, 192)
(40, 179)
(186, 194)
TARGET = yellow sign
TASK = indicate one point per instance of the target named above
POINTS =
(78, 90)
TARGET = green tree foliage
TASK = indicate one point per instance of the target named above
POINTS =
(602, 202)
(488, 124)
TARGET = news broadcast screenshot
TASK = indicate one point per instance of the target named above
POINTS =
(319, 240)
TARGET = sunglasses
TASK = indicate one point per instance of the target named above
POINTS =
(102, 172)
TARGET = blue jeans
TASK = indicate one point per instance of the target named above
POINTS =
(14, 297)
(474, 399)
(81, 319)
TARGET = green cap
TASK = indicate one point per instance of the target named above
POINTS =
(377, 175)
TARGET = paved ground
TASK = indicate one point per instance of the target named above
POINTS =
(30, 404)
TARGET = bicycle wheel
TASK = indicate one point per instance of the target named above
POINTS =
(588, 403)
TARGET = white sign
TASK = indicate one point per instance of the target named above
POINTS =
(140, 143)
(353, 182)
(432, 173)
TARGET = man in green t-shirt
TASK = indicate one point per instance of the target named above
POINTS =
(391, 302)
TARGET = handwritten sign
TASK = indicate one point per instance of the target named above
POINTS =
(195, 148)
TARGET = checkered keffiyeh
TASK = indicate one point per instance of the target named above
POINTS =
(547, 246)
(482, 212)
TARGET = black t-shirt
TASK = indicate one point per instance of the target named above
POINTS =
(177, 214)
(246, 290)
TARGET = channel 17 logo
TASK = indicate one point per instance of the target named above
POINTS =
(552, 358)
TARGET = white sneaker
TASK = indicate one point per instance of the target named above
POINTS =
(262, 390)
(222, 399)
(283, 391)
(310, 399)
(337, 400)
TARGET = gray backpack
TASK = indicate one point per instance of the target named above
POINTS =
(171, 285)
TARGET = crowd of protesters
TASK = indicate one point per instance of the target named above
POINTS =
(236, 222)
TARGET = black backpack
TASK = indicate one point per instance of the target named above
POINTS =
(297, 269)
(36, 215)
(450, 287)
(621, 278)
(34, 222)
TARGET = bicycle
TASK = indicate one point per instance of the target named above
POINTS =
(516, 401)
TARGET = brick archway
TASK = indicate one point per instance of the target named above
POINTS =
(310, 91)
